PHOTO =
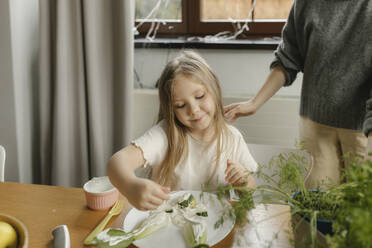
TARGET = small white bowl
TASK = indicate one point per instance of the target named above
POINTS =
(100, 193)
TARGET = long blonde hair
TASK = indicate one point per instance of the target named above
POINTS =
(187, 63)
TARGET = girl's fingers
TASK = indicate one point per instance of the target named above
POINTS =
(166, 190)
(241, 181)
(228, 170)
(233, 173)
(235, 179)
(148, 206)
(155, 201)
(159, 192)
(230, 167)
(151, 202)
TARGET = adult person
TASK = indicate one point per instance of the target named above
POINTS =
(331, 43)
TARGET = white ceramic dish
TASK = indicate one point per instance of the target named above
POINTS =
(171, 236)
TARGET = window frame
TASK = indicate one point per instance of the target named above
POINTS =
(192, 25)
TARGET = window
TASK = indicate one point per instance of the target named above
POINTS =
(173, 18)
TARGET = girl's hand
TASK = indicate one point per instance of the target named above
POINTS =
(236, 110)
(145, 194)
(236, 174)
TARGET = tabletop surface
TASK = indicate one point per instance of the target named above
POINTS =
(41, 208)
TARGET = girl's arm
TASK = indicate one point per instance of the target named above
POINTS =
(143, 194)
(273, 83)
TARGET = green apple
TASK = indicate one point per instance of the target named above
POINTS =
(8, 235)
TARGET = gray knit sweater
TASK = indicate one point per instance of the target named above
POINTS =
(330, 41)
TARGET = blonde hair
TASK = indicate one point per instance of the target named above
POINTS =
(188, 63)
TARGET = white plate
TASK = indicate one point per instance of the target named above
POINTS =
(171, 236)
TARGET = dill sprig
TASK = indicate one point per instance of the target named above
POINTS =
(237, 210)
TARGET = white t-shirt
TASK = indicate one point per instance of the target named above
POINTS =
(199, 163)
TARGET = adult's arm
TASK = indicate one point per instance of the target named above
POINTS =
(288, 62)
(273, 83)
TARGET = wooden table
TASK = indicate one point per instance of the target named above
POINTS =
(41, 208)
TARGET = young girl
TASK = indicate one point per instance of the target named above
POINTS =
(191, 144)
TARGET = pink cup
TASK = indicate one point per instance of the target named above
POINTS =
(100, 193)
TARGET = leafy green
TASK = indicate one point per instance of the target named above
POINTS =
(153, 223)
(353, 226)
(150, 225)
(285, 184)
(116, 232)
(348, 204)
(113, 233)
(237, 210)
(189, 201)
(325, 202)
(204, 214)
(192, 237)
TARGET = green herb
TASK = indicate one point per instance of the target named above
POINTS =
(204, 214)
(348, 204)
(190, 201)
(285, 184)
(148, 226)
(169, 211)
(237, 210)
(114, 233)
(202, 246)
(325, 202)
(353, 226)
(194, 239)
(121, 244)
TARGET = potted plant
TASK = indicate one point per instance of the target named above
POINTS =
(353, 226)
(284, 179)
(343, 213)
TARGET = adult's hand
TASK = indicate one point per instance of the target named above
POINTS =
(273, 83)
(236, 110)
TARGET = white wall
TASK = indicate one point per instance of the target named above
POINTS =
(241, 72)
(275, 124)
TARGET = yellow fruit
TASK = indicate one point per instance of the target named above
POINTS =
(8, 235)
